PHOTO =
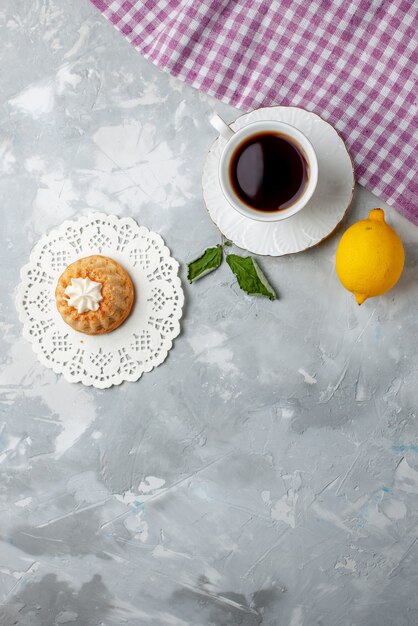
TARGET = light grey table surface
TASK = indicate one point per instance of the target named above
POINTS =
(267, 472)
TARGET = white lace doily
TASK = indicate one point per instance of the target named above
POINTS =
(142, 341)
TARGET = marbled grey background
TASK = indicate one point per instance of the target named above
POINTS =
(267, 472)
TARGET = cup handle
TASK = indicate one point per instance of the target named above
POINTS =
(222, 127)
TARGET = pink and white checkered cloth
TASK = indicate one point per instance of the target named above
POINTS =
(354, 62)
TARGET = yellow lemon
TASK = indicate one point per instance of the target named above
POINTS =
(370, 257)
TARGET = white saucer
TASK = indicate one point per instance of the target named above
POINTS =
(314, 222)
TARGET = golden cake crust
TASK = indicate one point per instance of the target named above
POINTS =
(117, 292)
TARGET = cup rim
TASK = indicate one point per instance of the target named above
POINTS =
(295, 134)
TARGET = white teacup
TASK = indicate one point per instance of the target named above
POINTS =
(233, 141)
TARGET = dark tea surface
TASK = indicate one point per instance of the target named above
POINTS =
(268, 172)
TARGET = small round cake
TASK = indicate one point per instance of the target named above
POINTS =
(94, 295)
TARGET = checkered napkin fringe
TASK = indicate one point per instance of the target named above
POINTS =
(354, 62)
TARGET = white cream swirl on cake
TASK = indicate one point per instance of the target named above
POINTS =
(84, 294)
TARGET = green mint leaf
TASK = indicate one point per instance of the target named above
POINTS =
(227, 243)
(210, 260)
(249, 276)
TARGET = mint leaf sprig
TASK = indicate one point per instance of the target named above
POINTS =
(248, 273)
(250, 277)
(207, 262)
